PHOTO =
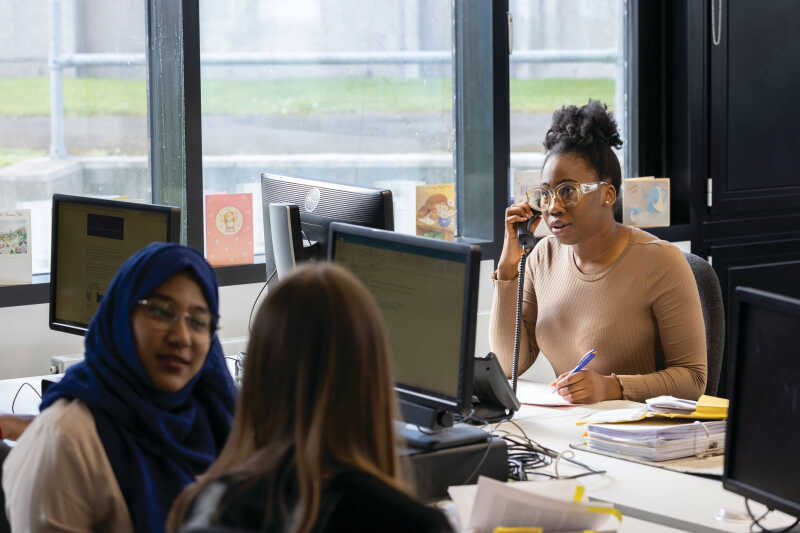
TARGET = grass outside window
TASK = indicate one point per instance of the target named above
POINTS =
(94, 96)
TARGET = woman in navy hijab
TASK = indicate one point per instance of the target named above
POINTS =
(147, 411)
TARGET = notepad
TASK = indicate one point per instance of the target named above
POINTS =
(546, 398)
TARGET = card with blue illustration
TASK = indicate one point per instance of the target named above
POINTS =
(645, 202)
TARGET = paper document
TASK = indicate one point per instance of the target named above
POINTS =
(706, 408)
(670, 403)
(537, 396)
(658, 440)
(549, 505)
(707, 466)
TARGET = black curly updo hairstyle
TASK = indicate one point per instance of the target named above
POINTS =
(589, 132)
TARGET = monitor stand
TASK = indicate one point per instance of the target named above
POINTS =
(423, 439)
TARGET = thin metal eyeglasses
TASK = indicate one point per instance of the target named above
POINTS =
(569, 194)
(164, 313)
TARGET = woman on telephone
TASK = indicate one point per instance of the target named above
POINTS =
(595, 283)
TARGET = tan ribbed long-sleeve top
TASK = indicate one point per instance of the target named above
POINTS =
(58, 478)
(642, 314)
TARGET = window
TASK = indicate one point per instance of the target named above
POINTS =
(565, 52)
(393, 95)
(73, 111)
(350, 91)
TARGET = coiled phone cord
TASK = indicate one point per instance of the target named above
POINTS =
(518, 319)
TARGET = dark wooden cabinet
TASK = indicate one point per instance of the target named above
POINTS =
(754, 106)
(742, 125)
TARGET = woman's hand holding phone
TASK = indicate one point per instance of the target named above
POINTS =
(512, 252)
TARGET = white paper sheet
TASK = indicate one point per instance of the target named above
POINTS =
(545, 397)
(524, 504)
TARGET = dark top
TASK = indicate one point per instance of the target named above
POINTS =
(352, 501)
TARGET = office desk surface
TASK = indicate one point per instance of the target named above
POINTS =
(28, 395)
(672, 499)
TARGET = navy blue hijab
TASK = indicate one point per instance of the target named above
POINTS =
(157, 442)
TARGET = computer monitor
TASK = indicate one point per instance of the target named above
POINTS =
(296, 226)
(761, 459)
(428, 292)
(91, 239)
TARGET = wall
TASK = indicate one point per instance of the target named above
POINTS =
(28, 343)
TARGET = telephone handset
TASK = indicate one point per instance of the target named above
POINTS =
(525, 232)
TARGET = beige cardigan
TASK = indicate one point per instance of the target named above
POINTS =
(58, 478)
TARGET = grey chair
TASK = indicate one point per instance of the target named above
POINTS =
(713, 316)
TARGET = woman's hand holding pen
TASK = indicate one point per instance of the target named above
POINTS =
(587, 386)
(511, 254)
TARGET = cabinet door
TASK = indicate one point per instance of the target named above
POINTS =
(754, 103)
(770, 265)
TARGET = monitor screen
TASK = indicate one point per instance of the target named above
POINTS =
(427, 291)
(764, 388)
(91, 239)
(319, 203)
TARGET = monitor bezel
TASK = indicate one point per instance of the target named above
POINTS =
(471, 254)
(745, 297)
(173, 215)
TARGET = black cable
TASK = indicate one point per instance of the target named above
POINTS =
(526, 455)
(757, 521)
(518, 318)
(480, 463)
(485, 455)
(250, 320)
(14, 401)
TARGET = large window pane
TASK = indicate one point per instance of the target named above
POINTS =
(335, 90)
(81, 126)
(564, 53)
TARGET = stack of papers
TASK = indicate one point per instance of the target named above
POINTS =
(658, 440)
(553, 506)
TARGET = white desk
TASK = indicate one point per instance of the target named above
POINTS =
(671, 499)
(653, 500)
(27, 400)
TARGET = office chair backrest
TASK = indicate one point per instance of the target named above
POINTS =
(713, 316)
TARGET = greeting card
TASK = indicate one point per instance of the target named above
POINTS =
(229, 229)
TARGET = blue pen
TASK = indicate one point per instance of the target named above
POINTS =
(583, 362)
(588, 356)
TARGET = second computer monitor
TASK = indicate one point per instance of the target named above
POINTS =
(761, 459)
(318, 203)
(91, 239)
(427, 291)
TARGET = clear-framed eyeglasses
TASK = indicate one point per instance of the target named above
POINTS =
(164, 312)
(569, 193)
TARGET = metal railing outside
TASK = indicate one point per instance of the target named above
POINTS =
(58, 62)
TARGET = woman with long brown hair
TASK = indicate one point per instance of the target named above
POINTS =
(312, 446)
